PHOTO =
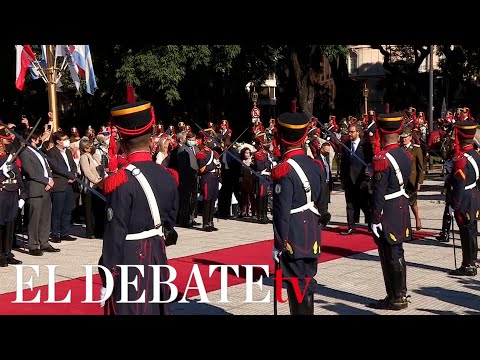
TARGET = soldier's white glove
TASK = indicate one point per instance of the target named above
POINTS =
(451, 212)
(276, 255)
(376, 228)
(21, 202)
(102, 294)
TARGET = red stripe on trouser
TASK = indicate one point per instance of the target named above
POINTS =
(261, 190)
(205, 191)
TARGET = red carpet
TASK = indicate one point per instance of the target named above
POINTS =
(333, 246)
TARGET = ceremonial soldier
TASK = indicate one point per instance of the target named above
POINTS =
(463, 194)
(263, 166)
(463, 114)
(390, 210)
(371, 133)
(171, 131)
(332, 124)
(12, 197)
(270, 130)
(209, 171)
(225, 131)
(417, 173)
(298, 183)
(410, 115)
(210, 129)
(313, 142)
(257, 128)
(158, 130)
(142, 204)
(181, 126)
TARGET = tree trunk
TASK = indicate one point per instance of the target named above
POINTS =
(306, 91)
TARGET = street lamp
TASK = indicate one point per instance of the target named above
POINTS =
(254, 97)
(365, 96)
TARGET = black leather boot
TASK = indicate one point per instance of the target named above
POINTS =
(446, 223)
(9, 237)
(399, 286)
(259, 208)
(3, 257)
(206, 215)
(297, 308)
(210, 216)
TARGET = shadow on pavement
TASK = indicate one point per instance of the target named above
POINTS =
(193, 307)
(458, 298)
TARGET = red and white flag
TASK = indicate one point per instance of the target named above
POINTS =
(25, 57)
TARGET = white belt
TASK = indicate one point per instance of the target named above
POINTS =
(265, 172)
(396, 194)
(152, 203)
(398, 174)
(145, 234)
(310, 205)
(475, 167)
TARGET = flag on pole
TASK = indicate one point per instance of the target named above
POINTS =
(25, 58)
(83, 58)
(66, 52)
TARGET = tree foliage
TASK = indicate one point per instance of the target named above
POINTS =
(162, 68)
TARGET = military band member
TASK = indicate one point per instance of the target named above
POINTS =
(142, 204)
(298, 183)
(12, 197)
(390, 210)
(225, 132)
(417, 173)
(463, 195)
(209, 172)
(181, 126)
(257, 128)
(263, 166)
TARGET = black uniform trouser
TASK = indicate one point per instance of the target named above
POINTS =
(94, 214)
(300, 269)
(394, 268)
(187, 189)
(446, 220)
(225, 194)
(356, 198)
(207, 212)
(468, 239)
(6, 240)
(262, 197)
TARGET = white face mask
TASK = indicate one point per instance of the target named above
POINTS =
(66, 143)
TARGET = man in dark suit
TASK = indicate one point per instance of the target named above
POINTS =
(64, 170)
(354, 178)
(39, 182)
(187, 172)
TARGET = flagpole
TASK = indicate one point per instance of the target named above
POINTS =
(52, 86)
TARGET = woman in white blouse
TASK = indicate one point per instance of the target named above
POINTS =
(94, 207)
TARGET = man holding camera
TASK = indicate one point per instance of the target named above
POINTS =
(298, 200)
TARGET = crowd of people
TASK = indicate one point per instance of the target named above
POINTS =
(50, 180)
